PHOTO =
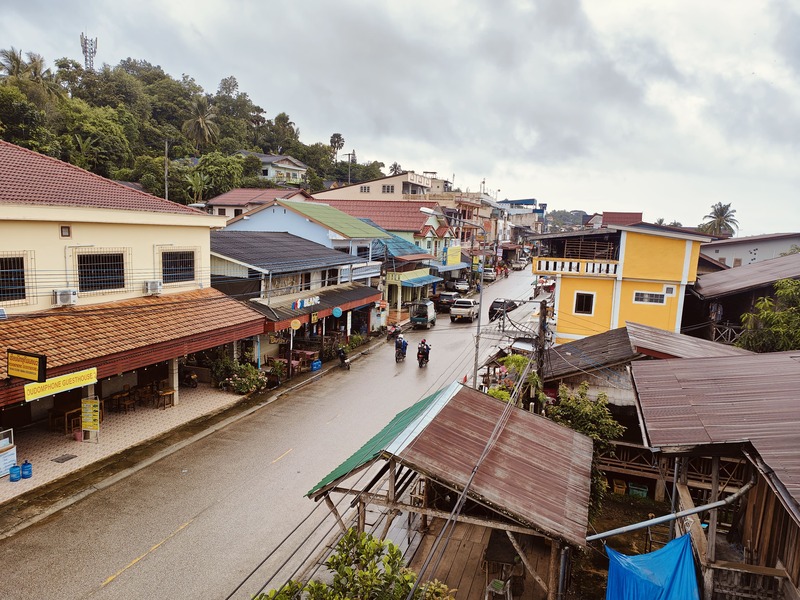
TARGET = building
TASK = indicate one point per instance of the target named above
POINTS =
(392, 187)
(110, 284)
(740, 251)
(608, 275)
(241, 200)
(279, 168)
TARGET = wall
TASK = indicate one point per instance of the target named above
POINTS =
(663, 316)
(749, 251)
(652, 257)
(277, 218)
(571, 326)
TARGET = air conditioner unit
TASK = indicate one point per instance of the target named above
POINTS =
(65, 297)
(153, 288)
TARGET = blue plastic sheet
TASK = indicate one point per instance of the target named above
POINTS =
(666, 574)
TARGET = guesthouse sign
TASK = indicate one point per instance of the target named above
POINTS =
(27, 365)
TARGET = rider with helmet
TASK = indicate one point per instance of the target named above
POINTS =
(424, 349)
(401, 344)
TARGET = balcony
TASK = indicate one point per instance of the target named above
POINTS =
(562, 266)
(362, 271)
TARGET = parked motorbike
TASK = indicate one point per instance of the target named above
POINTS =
(392, 332)
(189, 379)
(344, 362)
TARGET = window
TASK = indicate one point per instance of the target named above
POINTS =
(221, 212)
(306, 284)
(177, 266)
(66, 231)
(97, 272)
(723, 260)
(737, 262)
(584, 303)
(362, 252)
(364, 189)
(12, 278)
(669, 290)
(237, 212)
(649, 298)
(387, 189)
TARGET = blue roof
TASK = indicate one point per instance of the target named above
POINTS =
(420, 281)
(394, 245)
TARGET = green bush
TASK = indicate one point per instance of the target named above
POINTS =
(246, 379)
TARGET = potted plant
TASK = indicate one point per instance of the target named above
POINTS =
(276, 373)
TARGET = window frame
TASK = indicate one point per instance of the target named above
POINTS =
(24, 256)
(387, 189)
(647, 298)
(178, 250)
(116, 279)
(591, 296)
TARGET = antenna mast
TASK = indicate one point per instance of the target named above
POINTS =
(89, 49)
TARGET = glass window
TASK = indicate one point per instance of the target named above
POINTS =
(649, 298)
(101, 272)
(237, 212)
(221, 212)
(387, 189)
(364, 189)
(177, 266)
(12, 278)
(584, 303)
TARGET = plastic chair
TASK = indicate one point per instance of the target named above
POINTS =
(500, 587)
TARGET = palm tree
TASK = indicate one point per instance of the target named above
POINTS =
(395, 169)
(12, 64)
(660, 221)
(337, 143)
(202, 127)
(720, 220)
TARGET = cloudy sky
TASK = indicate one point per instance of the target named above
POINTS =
(615, 105)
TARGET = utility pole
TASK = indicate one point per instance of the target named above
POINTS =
(351, 156)
(166, 169)
(540, 338)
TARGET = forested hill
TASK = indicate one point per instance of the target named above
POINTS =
(118, 121)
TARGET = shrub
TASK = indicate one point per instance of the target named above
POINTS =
(246, 379)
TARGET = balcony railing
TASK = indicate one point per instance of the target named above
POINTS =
(363, 271)
(577, 267)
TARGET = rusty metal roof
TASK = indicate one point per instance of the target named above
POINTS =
(668, 344)
(732, 399)
(538, 472)
(747, 277)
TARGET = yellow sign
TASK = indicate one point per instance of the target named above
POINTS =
(26, 365)
(62, 383)
(90, 414)
(295, 324)
(314, 317)
(453, 255)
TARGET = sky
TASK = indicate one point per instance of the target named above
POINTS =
(664, 108)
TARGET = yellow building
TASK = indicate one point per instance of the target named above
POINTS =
(608, 275)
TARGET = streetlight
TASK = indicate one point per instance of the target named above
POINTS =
(430, 211)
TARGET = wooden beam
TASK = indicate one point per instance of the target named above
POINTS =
(332, 508)
(389, 518)
(553, 570)
(525, 562)
(712, 518)
(696, 531)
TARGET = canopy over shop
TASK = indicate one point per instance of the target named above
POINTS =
(118, 338)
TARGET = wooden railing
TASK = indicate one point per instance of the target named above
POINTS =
(725, 333)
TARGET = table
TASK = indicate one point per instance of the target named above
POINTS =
(165, 398)
(305, 357)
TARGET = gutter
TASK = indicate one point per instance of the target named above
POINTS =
(672, 517)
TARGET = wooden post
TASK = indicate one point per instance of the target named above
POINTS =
(362, 516)
(527, 564)
(712, 518)
(552, 579)
(332, 508)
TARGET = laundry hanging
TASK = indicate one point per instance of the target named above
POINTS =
(666, 574)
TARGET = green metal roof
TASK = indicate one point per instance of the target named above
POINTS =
(338, 221)
(400, 432)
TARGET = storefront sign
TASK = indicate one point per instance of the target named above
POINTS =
(453, 256)
(305, 302)
(314, 317)
(90, 414)
(27, 365)
(8, 458)
(59, 384)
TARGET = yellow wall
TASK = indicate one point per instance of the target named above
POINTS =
(141, 237)
(584, 325)
(663, 316)
(655, 257)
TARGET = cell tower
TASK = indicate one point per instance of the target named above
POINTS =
(89, 48)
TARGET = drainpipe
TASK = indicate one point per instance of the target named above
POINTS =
(672, 517)
(562, 573)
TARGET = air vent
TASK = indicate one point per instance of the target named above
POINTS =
(153, 288)
(65, 297)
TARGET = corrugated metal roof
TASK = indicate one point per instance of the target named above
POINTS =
(244, 196)
(393, 215)
(340, 222)
(589, 354)
(277, 252)
(537, 472)
(747, 277)
(736, 241)
(668, 344)
(355, 294)
(732, 399)
(420, 281)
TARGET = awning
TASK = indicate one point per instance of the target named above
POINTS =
(421, 281)
(348, 296)
(447, 268)
(121, 336)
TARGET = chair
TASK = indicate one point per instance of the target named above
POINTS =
(127, 402)
(500, 587)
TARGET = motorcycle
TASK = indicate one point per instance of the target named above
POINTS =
(392, 332)
(344, 362)
(423, 357)
(399, 355)
(189, 379)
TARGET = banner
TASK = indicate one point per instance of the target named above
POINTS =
(34, 391)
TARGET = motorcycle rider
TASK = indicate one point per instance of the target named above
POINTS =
(425, 350)
(401, 344)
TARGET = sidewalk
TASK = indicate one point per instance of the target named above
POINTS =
(66, 471)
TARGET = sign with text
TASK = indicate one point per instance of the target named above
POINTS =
(34, 391)
(27, 365)
(90, 414)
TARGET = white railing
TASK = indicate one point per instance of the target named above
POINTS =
(560, 265)
(363, 271)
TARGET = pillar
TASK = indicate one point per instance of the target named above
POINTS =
(172, 377)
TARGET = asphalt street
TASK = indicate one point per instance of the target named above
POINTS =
(198, 522)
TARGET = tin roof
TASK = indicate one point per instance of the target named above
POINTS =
(244, 196)
(277, 252)
(735, 241)
(668, 344)
(747, 277)
(731, 399)
(393, 215)
(537, 472)
(27, 177)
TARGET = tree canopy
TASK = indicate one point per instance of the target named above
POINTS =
(774, 323)
(106, 120)
(720, 221)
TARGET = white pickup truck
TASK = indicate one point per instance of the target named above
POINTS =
(464, 308)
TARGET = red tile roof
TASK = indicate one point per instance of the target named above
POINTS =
(244, 196)
(621, 218)
(80, 333)
(27, 177)
(392, 215)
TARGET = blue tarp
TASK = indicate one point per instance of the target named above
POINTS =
(666, 574)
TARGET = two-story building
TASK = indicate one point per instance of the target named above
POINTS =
(740, 251)
(392, 187)
(241, 200)
(608, 275)
(109, 284)
(279, 168)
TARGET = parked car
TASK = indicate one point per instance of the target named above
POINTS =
(518, 265)
(499, 306)
(445, 301)
(462, 285)
(489, 275)
(464, 308)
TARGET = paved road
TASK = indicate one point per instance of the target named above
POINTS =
(195, 524)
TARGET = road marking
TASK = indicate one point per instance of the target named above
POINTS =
(281, 456)
(138, 558)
